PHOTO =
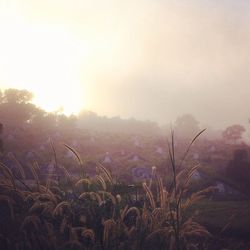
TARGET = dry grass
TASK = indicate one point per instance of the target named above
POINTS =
(108, 223)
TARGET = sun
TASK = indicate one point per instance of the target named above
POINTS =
(68, 101)
(48, 61)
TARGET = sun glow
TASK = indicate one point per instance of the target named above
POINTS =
(47, 60)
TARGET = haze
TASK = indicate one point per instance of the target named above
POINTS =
(145, 59)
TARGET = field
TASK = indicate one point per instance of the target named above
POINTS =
(97, 183)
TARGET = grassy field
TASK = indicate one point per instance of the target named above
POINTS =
(215, 215)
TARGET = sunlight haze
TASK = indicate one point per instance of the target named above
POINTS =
(145, 59)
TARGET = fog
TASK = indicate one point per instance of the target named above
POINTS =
(145, 59)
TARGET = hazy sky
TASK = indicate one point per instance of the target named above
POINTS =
(150, 59)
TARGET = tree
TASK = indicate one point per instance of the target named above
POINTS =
(15, 107)
(186, 126)
(66, 123)
(238, 170)
(17, 96)
(233, 133)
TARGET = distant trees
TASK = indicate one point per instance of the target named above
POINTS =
(16, 107)
(186, 126)
(66, 123)
(16, 96)
(92, 121)
(233, 134)
(238, 169)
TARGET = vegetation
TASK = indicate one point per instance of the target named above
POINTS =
(88, 213)
(101, 192)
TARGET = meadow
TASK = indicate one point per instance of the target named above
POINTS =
(63, 186)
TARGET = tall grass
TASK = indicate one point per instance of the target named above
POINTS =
(46, 216)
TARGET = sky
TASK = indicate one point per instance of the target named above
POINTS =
(148, 59)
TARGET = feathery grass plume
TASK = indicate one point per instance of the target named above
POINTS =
(178, 187)
(162, 191)
(88, 233)
(92, 195)
(109, 195)
(152, 176)
(118, 198)
(34, 173)
(66, 173)
(31, 220)
(48, 181)
(180, 178)
(47, 190)
(191, 171)
(96, 197)
(149, 195)
(171, 216)
(19, 166)
(135, 210)
(8, 174)
(45, 198)
(189, 146)
(188, 174)
(99, 179)
(36, 165)
(105, 172)
(147, 219)
(159, 215)
(54, 153)
(31, 197)
(82, 181)
(123, 212)
(37, 207)
(197, 197)
(53, 183)
(49, 186)
(193, 229)
(58, 208)
(185, 175)
(109, 231)
(56, 191)
(76, 154)
(10, 204)
(171, 152)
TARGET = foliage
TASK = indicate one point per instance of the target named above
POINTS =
(16, 96)
(88, 213)
(186, 126)
(233, 133)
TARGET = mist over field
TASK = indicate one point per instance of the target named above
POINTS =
(124, 125)
(151, 60)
